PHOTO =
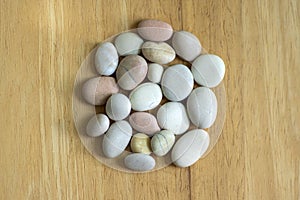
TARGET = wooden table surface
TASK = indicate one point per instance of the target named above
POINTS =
(42, 46)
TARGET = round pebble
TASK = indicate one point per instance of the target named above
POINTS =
(202, 107)
(139, 162)
(106, 59)
(97, 90)
(177, 82)
(145, 97)
(158, 52)
(155, 30)
(132, 71)
(140, 143)
(118, 107)
(144, 122)
(208, 70)
(155, 72)
(97, 125)
(172, 116)
(162, 142)
(186, 45)
(128, 43)
(190, 147)
(116, 139)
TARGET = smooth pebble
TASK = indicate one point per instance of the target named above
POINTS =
(202, 107)
(106, 59)
(97, 90)
(128, 43)
(158, 52)
(155, 30)
(186, 45)
(139, 162)
(140, 143)
(118, 107)
(162, 142)
(173, 116)
(132, 71)
(177, 82)
(208, 70)
(155, 72)
(190, 147)
(144, 122)
(145, 97)
(116, 139)
(97, 125)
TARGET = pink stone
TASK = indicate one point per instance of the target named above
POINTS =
(155, 30)
(144, 122)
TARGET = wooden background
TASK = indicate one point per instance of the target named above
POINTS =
(43, 43)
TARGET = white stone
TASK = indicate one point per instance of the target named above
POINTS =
(208, 70)
(97, 125)
(177, 82)
(172, 116)
(116, 139)
(190, 147)
(158, 52)
(128, 43)
(186, 45)
(118, 107)
(106, 59)
(155, 72)
(162, 142)
(145, 97)
(202, 107)
(139, 162)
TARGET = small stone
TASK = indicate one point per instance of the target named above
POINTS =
(186, 45)
(172, 116)
(177, 82)
(140, 143)
(106, 59)
(158, 52)
(97, 125)
(145, 97)
(132, 71)
(139, 162)
(118, 107)
(128, 44)
(190, 147)
(144, 122)
(208, 70)
(155, 72)
(97, 90)
(155, 30)
(162, 142)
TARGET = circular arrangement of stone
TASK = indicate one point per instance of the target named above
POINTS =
(138, 63)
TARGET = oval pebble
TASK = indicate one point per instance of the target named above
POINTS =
(128, 43)
(190, 147)
(208, 70)
(139, 162)
(162, 142)
(177, 82)
(155, 72)
(155, 30)
(140, 143)
(144, 122)
(116, 139)
(161, 52)
(132, 71)
(97, 90)
(106, 59)
(118, 107)
(172, 116)
(202, 107)
(186, 45)
(97, 125)
(145, 97)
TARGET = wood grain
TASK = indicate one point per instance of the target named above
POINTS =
(42, 46)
